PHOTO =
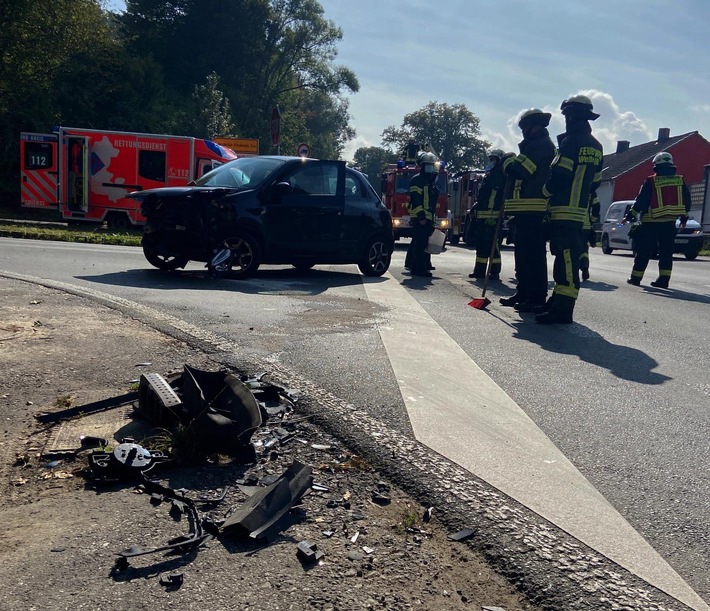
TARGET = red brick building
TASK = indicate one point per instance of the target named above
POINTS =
(625, 170)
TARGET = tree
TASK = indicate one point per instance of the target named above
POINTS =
(372, 161)
(214, 116)
(450, 129)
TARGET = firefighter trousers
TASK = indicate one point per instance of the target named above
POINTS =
(531, 258)
(421, 259)
(566, 246)
(485, 236)
(651, 238)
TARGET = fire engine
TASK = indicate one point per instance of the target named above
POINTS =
(87, 173)
(395, 196)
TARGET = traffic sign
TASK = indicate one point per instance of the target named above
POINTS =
(275, 125)
(304, 150)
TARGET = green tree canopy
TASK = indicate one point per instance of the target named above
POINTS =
(450, 129)
(372, 161)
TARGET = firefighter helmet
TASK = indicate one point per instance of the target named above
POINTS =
(662, 158)
(534, 116)
(495, 153)
(426, 158)
(579, 106)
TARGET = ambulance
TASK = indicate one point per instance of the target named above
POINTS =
(87, 173)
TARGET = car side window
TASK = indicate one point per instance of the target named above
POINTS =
(614, 213)
(314, 179)
(353, 187)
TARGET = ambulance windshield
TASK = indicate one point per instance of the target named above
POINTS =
(244, 173)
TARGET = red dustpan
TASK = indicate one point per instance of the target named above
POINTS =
(482, 302)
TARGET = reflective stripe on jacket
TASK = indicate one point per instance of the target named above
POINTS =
(422, 196)
(490, 193)
(527, 174)
(575, 175)
(666, 197)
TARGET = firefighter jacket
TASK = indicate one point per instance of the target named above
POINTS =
(664, 196)
(575, 175)
(490, 194)
(527, 174)
(423, 194)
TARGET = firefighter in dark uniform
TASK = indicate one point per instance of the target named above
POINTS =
(423, 194)
(488, 205)
(589, 237)
(410, 152)
(526, 174)
(575, 176)
(663, 198)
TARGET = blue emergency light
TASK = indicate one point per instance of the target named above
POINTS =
(400, 164)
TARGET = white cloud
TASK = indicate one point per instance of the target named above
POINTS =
(353, 145)
(613, 125)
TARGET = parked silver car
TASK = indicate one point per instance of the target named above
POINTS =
(616, 232)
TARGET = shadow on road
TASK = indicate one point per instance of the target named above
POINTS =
(625, 363)
(265, 281)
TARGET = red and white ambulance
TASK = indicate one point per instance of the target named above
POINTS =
(87, 173)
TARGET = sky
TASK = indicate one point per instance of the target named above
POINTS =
(645, 64)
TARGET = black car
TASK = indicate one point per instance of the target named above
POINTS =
(269, 209)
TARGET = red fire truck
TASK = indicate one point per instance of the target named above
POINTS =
(86, 173)
(395, 195)
(463, 196)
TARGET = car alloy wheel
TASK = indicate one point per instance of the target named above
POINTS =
(376, 259)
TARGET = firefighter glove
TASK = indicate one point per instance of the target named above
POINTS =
(683, 221)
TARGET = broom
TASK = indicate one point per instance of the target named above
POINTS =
(482, 302)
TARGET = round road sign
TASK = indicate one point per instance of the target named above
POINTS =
(304, 150)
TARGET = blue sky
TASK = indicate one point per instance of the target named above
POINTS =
(644, 63)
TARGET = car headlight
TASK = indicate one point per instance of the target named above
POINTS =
(444, 223)
(397, 222)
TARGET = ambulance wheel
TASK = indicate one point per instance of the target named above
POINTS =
(118, 220)
(164, 262)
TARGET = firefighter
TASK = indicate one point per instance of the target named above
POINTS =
(526, 174)
(589, 237)
(423, 194)
(410, 152)
(571, 188)
(488, 205)
(663, 198)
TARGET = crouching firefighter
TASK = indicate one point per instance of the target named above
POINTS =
(575, 175)
(488, 206)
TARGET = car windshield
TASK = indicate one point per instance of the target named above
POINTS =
(247, 172)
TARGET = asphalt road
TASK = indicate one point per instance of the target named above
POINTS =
(623, 394)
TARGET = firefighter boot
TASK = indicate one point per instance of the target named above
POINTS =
(555, 317)
(528, 305)
(661, 282)
(509, 302)
(479, 271)
(634, 281)
(585, 274)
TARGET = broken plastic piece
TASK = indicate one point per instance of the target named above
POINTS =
(308, 552)
(462, 535)
(172, 579)
(266, 506)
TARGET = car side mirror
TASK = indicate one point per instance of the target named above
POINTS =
(275, 192)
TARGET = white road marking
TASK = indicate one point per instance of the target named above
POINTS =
(462, 414)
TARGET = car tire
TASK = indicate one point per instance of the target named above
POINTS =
(246, 255)
(455, 239)
(376, 257)
(606, 249)
(691, 253)
(166, 263)
(302, 267)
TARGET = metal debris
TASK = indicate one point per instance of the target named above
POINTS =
(462, 535)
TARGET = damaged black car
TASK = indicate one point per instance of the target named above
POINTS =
(268, 210)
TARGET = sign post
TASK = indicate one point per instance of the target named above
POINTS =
(276, 128)
(303, 150)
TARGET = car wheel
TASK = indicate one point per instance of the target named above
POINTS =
(691, 253)
(164, 262)
(303, 266)
(246, 255)
(606, 249)
(455, 239)
(376, 257)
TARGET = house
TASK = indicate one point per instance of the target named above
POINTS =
(624, 171)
